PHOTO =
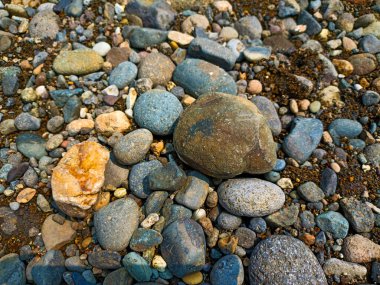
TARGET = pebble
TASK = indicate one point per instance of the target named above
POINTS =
(104, 259)
(363, 63)
(359, 249)
(370, 98)
(180, 38)
(334, 223)
(351, 272)
(310, 192)
(77, 62)
(141, 38)
(138, 182)
(143, 239)
(249, 26)
(137, 267)
(255, 54)
(344, 128)
(193, 194)
(158, 67)
(12, 269)
(358, 214)
(227, 221)
(194, 21)
(123, 74)
(27, 122)
(168, 178)
(56, 235)
(102, 48)
(31, 145)
(49, 269)
(44, 24)
(109, 123)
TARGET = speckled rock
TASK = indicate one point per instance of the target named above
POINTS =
(249, 26)
(31, 145)
(372, 153)
(344, 128)
(193, 194)
(359, 249)
(109, 123)
(123, 74)
(287, 255)
(351, 272)
(143, 239)
(363, 63)
(44, 24)
(250, 197)
(334, 223)
(138, 177)
(358, 214)
(49, 269)
(158, 67)
(78, 62)
(247, 139)
(141, 38)
(227, 271)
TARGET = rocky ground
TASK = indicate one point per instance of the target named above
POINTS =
(190, 142)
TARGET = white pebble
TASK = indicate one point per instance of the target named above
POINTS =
(158, 263)
(14, 206)
(199, 214)
(8, 192)
(285, 183)
(150, 220)
(357, 87)
(102, 48)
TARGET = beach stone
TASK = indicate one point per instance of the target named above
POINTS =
(370, 44)
(79, 177)
(351, 272)
(74, 9)
(143, 239)
(268, 110)
(56, 235)
(44, 24)
(155, 201)
(249, 26)
(109, 123)
(49, 269)
(27, 122)
(31, 145)
(227, 271)
(80, 126)
(158, 67)
(7, 127)
(102, 48)
(313, 27)
(329, 181)
(303, 139)
(370, 98)
(287, 255)
(141, 38)
(334, 223)
(359, 249)
(104, 259)
(123, 74)
(372, 29)
(181, 5)
(279, 43)
(227, 221)
(358, 214)
(199, 77)
(77, 62)
(372, 153)
(363, 63)
(115, 174)
(10, 80)
(193, 22)
(213, 52)
(285, 217)
(250, 197)
(12, 270)
(310, 192)
(193, 194)
(183, 247)
(168, 178)
(132, 148)
(207, 121)
(137, 267)
(115, 223)
(138, 178)
(254, 54)
(344, 128)
(119, 276)
(158, 111)
(117, 55)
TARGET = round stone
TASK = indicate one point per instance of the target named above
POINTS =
(44, 24)
(102, 48)
(158, 67)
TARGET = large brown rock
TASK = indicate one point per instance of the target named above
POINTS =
(223, 136)
(78, 178)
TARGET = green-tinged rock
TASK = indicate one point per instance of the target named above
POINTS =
(77, 62)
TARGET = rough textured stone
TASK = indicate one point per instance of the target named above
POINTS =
(351, 272)
(109, 123)
(363, 63)
(359, 249)
(249, 26)
(158, 67)
(44, 24)
(284, 260)
(359, 215)
(193, 194)
(334, 223)
(372, 153)
(78, 62)
(56, 235)
(138, 178)
(215, 118)
(227, 271)
(78, 178)
(12, 270)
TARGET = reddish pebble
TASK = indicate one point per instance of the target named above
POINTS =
(254, 87)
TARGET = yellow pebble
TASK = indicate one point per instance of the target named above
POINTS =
(174, 45)
(86, 242)
(193, 278)
(120, 192)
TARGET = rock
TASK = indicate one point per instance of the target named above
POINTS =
(313, 27)
(44, 24)
(184, 247)
(12, 270)
(181, 5)
(363, 63)
(194, 21)
(5, 43)
(250, 197)
(213, 52)
(285, 217)
(55, 124)
(268, 110)
(155, 201)
(227, 271)
(199, 77)
(344, 128)
(143, 239)
(115, 174)
(77, 62)
(7, 127)
(49, 269)
(133, 147)
(119, 276)
(370, 44)
(359, 249)
(193, 194)
(372, 153)
(303, 138)
(358, 214)
(348, 271)
(74, 9)
(345, 22)
(137, 267)
(372, 29)
(123, 74)
(26, 195)
(344, 67)
(80, 126)
(180, 38)
(249, 26)
(254, 54)
(31, 145)
(118, 55)
(105, 259)
(75, 264)
(158, 67)
(79, 177)
(109, 123)
(154, 14)
(56, 235)
(142, 38)
(334, 223)
(71, 110)
(168, 178)
(10, 81)
(370, 98)
(138, 177)
(329, 181)
(17, 171)
(287, 255)
(27, 122)
(158, 111)
(115, 224)
(310, 192)
(279, 43)
(102, 48)
(215, 117)
(227, 221)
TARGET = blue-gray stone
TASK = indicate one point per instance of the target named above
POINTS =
(272, 176)
(237, 47)
(138, 178)
(49, 269)
(27, 122)
(158, 111)
(314, 5)
(313, 27)
(137, 267)
(31, 145)
(254, 54)
(370, 44)
(184, 247)
(79, 279)
(334, 223)
(370, 98)
(249, 26)
(329, 181)
(12, 270)
(307, 219)
(168, 178)
(74, 9)
(310, 192)
(61, 5)
(372, 153)
(74, 263)
(104, 259)
(280, 165)
(71, 110)
(142, 38)
(267, 108)
(123, 74)
(303, 139)
(143, 239)
(9, 80)
(61, 96)
(227, 221)
(119, 276)
(258, 225)
(193, 194)
(213, 52)
(4, 170)
(227, 271)
(358, 214)
(175, 212)
(357, 144)
(344, 128)
(199, 77)
(155, 202)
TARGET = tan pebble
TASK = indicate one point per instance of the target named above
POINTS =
(38, 69)
(86, 242)
(254, 87)
(193, 278)
(343, 66)
(157, 147)
(293, 106)
(308, 239)
(150, 220)
(349, 44)
(159, 263)
(376, 84)
(335, 166)
(120, 192)
(187, 100)
(304, 104)
(206, 225)
(25, 65)
(26, 195)
(285, 183)
(327, 137)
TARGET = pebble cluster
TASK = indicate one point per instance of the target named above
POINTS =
(189, 142)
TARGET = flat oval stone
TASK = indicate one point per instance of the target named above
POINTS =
(344, 128)
(78, 62)
(250, 197)
(123, 74)
(143, 239)
(199, 77)
(31, 145)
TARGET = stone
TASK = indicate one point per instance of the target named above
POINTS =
(138, 178)
(44, 24)
(228, 33)
(102, 48)
(250, 197)
(359, 249)
(26, 195)
(279, 43)
(168, 178)
(344, 128)
(115, 223)
(370, 98)
(27, 122)
(285, 217)
(119, 276)
(137, 267)
(77, 62)
(12, 270)
(141, 38)
(181, 5)
(329, 181)
(372, 153)
(31, 145)
(343, 66)
(358, 214)
(109, 123)
(215, 117)
(193, 193)
(123, 74)
(183, 247)
(180, 38)
(193, 22)
(10, 81)
(255, 54)
(75, 264)
(49, 269)
(227, 271)
(287, 255)
(155, 202)
(158, 111)
(158, 67)
(132, 148)
(334, 223)
(310, 192)
(363, 63)
(115, 174)
(29, 95)
(227, 221)
(7, 127)
(372, 29)
(370, 44)
(303, 138)
(79, 177)
(80, 126)
(249, 26)
(118, 55)
(213, 52)
(104, 259)
(74, 9)
(56, 235)
(350, 272)
(143, 239)
(313, 27)
(268, 110)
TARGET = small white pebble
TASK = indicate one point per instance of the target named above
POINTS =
(120, 192)
(8, 192)
(366, 167)
(199, 214)
(357, 87)
(159, 263)
(285, 183)
(14, 206)
(150, 220)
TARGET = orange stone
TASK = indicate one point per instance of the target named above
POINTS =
(26, 195)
